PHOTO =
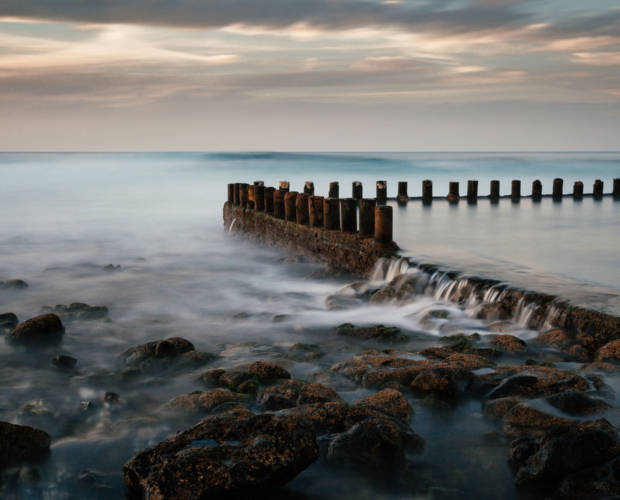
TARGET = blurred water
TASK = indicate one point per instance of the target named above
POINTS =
(66, 217)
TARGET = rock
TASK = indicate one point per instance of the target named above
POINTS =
(508, 343)
(577, 403)
(14, 284)
(245, 378)
(267, 372)
(21, 444)
(63, 361)
(233, 454)
(375, 332)
(172, 352)
(524, 419)
(555, 338)
(578, 353)
(111, 398)
(45, 328)
(291, 393)
(305, 352)
(594, 483)
(8, 322)
(562, 451)
(610, 352)
(79, 311)
(493, 312)
(317, 393)
(215, 400)
(437, 382)
(402, 287)
(341, 302)
(388, 401)
(497, 408)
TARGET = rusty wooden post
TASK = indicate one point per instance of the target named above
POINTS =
(231, 193)
(515, 194)
(578, 190)
(402, 197)
(536, 190)
(356, 190)
(259, 183)
(309, 187)
(381, 194)
(427, 192)
(243, 195)
(331, 213)
(269, 192)
(237, 199)
(367, 217)
(558, 189)
(301, 209)
(315, 211)
(453, 193)
(383, 224)
(284, 186)
(251, 205)
(259, 198)
(278, 203)
(597, 190)
(472, 192)
(334, 190)
(290, 199)
(616, 189)
(494, 193)
(348, 215)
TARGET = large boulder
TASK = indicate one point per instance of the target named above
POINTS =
(21, 444)
(42, 329)
(213, 401)
(389, 402)
(289, 393)
(230, 455)
(172, 352)
(577, 403)
(245, 378)
(610, 352)
(14, 284)
(389, 334)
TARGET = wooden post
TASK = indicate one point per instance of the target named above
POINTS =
(259, 183)
(231, 193)
(558, 188)
(250, 204)
(578, 190)
(243, 195)
(383, 224)
(597, 190)
(402, 198)
(334, 190)
(348, 215)
(331, 213)
(290, 199)
(427, 192)
(515, 194)
(237, 199)
(381, 195)
(472, 192)
(309, 188)
(453, 193)
(494, 193)
(315, 211)
(616, 189)
(367, 217)
(356, 190)
(269, 192)
(259, 198)
(301, 209)
(284, 186)
(536, 190)
(278, 203)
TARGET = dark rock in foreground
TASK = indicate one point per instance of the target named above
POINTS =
(245, 378)
(21, 444)
(224, 456)
(8, 322)
(168, 353)
(45, 328)
(291, 393)
(211, 401)
(14, 284)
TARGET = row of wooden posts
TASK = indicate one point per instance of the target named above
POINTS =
(332, 213)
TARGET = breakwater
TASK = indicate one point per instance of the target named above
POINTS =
(328, 229)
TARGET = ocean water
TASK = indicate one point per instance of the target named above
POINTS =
(143, 235)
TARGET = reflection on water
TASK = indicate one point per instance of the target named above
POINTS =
(142, 235)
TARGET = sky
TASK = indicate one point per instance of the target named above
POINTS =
(309, 75)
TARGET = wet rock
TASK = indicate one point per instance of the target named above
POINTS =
(494, 311)
(234, 454)
(577, 352)
(42, 329)
(508, 343)
(524, 419)
(564, 450)
(215, 400)
(317, 393)
(305, 352)
(279, 318)
(291, 393)
(610, 352)
(497, 408)
(14, 284)
(245, 378)
(267, 372)
(241, 315)
(375, 332)
(341, 302)
(64, 361)
(8, 322)
(556, 337)
(388, 401)
(594, 483)
(402, 287)
(21, 444)
(79, 311)
(501, 326)
(173, 352)
(577, 403)
(440, 383)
